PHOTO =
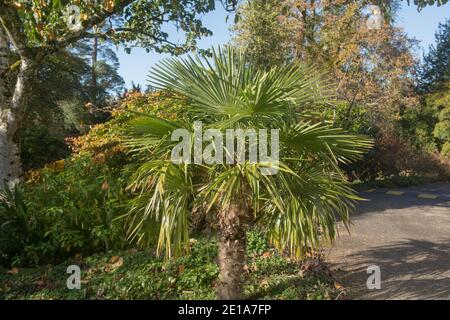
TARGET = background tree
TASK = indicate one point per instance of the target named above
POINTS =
(104, 81)
(60, 103)
(40, 28)
(429, 125)
(423, 3)
(373, 68)
(434, 71)
(263, 32)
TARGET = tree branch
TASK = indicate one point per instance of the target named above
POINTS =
(92, 21)
(12, 24)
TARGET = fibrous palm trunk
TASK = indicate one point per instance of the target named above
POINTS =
(232, 247)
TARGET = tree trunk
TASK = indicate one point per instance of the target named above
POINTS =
(11, 116)
(4, 64)
(232, 248)
(94, 59)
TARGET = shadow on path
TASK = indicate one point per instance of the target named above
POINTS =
(410, 269)
(383, 202)
(407, 237)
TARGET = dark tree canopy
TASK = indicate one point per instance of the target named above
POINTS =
(435, 69)
(423, 3)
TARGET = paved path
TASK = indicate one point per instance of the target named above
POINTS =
(406, 236)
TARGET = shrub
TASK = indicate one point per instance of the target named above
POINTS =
(73, 206)
(446, 149)
(66, 209)
(38, 147)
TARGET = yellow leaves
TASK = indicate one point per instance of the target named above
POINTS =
(109, 5)
(264, 283)
(116, 112)
(337, 285)
(34, 176)
(56, 166)
(38, 14)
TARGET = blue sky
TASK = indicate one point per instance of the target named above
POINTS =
(419, 25)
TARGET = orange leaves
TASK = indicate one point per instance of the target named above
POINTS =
(102, 144)
(18, 5)
(105, 186)
(115, 263)
(109, 5)
(14, 270)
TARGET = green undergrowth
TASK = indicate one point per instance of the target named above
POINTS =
(134, 274)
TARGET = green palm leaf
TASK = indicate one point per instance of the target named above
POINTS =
(297, 207)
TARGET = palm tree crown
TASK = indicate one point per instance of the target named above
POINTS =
(295, 206)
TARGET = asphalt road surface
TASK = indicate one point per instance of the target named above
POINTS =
(406, 235)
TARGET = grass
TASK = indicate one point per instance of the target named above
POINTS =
(136, 274)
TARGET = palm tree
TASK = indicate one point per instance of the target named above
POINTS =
(295, 207)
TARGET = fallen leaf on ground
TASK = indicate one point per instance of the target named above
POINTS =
(14, 270)
(114, 259)
(118, 263)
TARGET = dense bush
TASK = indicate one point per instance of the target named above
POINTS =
(74, 206)
(446, 149)
(404, 148)
(39, 147)
(70, 208)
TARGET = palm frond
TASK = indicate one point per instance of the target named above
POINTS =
(230, 87)
(165, 197)
(298, 206)
(319, 139)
